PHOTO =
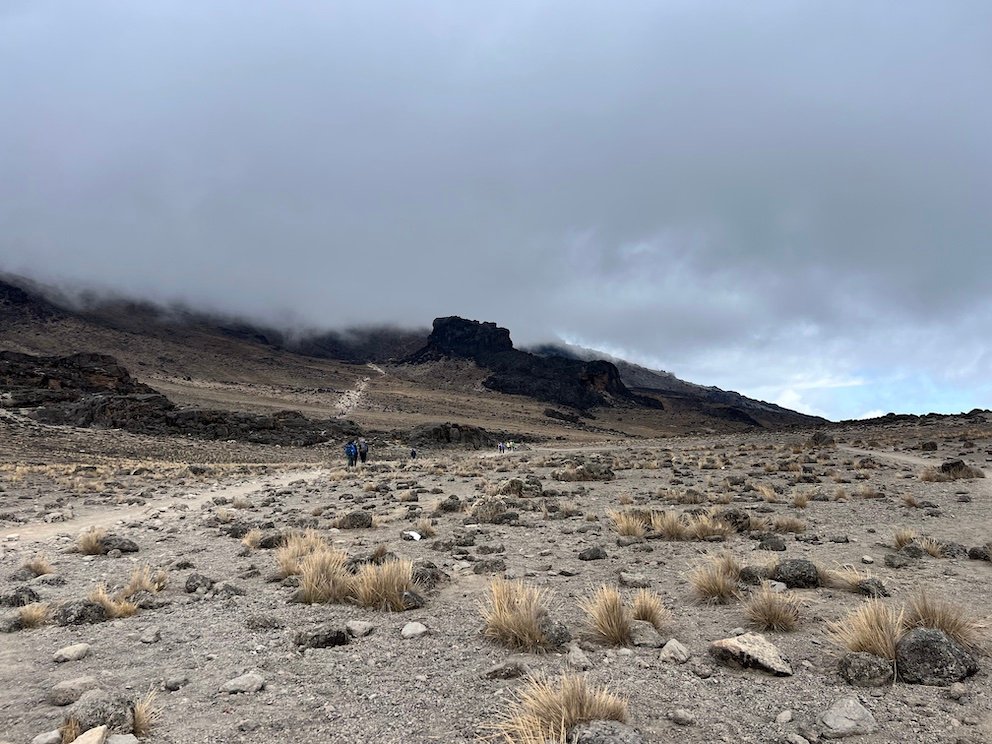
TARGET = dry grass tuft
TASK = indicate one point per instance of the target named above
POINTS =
(669, 525)
(70, 730)
(298, 547)
(252, 539)
(767, 493)
(702, 526)
(932, 474)
(783, 523)
(381, 586)
(934, 547)
(903, 537)
(874, 628)
(90, 542)
(38, 565)
(514, 615)
(627, 523)
(143, 579)
(323, 576)
(711, 584)
(606, 616)
(770, 610)
(146, 714)
(545, 711)
(115, 606)
(425, 527)
(648, 606)
(846, 578)
(909, 500)
(927, 611)
(34, 615)
(728, 565)
(800, 500)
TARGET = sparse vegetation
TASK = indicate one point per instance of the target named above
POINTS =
(115, 607)
(875, 628)
(34, 615)
(382, 586)
(770, 610)
(648, 606)
(606, 616)
(90, 541)
(710, 583)
(38, 565)
(252, 539)
(323, 576)
(143, 579)
(545, 710)
(924, 610)
(145, 714)
(903, 537)
(627, 523)
(514, 615)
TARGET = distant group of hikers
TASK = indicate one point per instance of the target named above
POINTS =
(506, 447)
(356, 452)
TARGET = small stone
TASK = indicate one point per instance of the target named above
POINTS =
(96, 735)
(784, 717)
(74, 652)
(595, 553)
(604, 732)
(359, 628)
(69, 691)
(116, 542)
(122, 739)
(356, 520)
(797, 573)
(250, 682)
(634, 581)
(510, 669)
(847, 717)
(796, 739)
(577, 659)
(772, 542)
(198, 583)
(644, 635)
(325, 636)
(674, 652)
(152, 634)
(894, 560)
(956, 691)
(681, 717)
(867, 560)
(489, 566)
(413, 630)
(49, 737)
(175, 682)
(101, 708)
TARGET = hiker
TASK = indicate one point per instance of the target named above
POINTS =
(351, 452)
(502, 447)
(413, 454)
(363, 449)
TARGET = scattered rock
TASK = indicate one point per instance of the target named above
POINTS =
(644, 635)
(19, 597)
(70, 690)
(682, 717)
(152, 634)
(359, 628)
(894, 560)
(510, 669)
(634, 581)
(197, 582)
(356, 520)
(577, 659)
(926, 656)
(116, 542)
(175, 682)
(325, 636)
(489, 566)
(74, 652)
(604, 732)
(750, 651)
(674, 652)
(865, 670)
(96, 735)
(264, 622)
(414, 630)
(772, 542)
(49, 737)
(79, 612)
(595, 553)
(250, 682)
(101, 708)
(797, 573)
(847, 717)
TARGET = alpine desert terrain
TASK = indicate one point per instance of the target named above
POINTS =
(534, 551)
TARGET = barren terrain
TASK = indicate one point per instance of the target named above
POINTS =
(186, 506)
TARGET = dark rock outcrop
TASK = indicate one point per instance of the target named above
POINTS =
(926, 656)
(441, 435)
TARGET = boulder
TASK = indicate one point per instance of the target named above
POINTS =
(865, 670)
(750, 651)
(70, 690)
(102, 708)
(846, 717)
(927, 656)
(79, 612)
(356, 520)
(797, 573)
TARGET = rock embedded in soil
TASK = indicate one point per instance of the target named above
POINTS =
(846, 717)
(70, 690)
(674, 652)
(356, 520)
(594, 553)
(359, 628)
(604, 732)
(75, 652)
(926, 656)
(644, 635)
(250, 682)
(750, 651)
(773, 543)
(413, 630)
(19, 597)
(865, 670)
(577, 659)
(797, 573)
(96, 735)
(99, 708)
(197, 582)
(326, 636)
(116, 542)
(80, 612)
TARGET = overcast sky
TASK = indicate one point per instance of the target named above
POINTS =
(789, 199)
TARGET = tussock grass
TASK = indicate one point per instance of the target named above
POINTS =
(701, 526)
(727, 564)
(252, 539)
(864, 491)
(381, 586)
(34, 615)
(298, 546)
(770, 610)
(711, 584)
(425, 527)
(768, 493)
(514, 615)
(90, 541)
(784, 523)
(38, 565)
(545, 710)
(648, 606)
(800, 500)
(146, 714)
(846, 578)
(323, 576)
(934, 547)
(909, 500)
(669, 525)
(627, 523)
(143, 579)
(70, 730)
(903, 537)
(932, 474)
(606, 617)
(875, 628)
(115, 606)
(927, 611)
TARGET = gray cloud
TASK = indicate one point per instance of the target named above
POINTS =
(785, 199)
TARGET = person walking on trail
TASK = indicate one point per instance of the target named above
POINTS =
(363, 450)
(351, 452)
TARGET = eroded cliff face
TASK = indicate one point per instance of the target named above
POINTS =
(570, 382)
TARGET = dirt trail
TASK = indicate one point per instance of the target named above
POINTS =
(109, 516)
(350, 399)
(984, 485)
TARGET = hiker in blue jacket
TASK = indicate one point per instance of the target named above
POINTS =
(351, 452)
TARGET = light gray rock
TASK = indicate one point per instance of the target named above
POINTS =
(604, 732)
(69, 691)
(97, 735)
(674, 652)
(750, 651)
(847, 717)
(414, 630)
(359, 628)
(152, 634)
(250, 682)
(682, 717)
(644, 635)
(577, 659)
(634, 580)
(175, 682)
(49, 737)
(122, 739)
(75, 652)
(784, 717)
(101, 708)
